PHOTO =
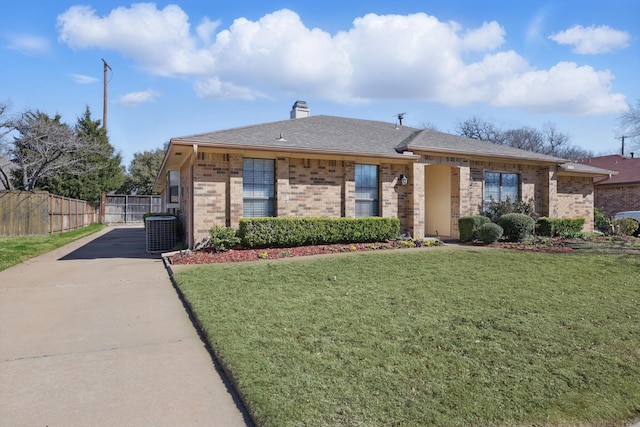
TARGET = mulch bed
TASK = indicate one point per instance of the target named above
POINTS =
(240, 254)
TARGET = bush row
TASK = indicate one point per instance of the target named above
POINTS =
(290, 232)
(515, 227)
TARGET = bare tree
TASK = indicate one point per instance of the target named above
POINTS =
(476, 128)
(45, 147)
(630, 123)
(6, 166)
(524, 138)
(548, 140)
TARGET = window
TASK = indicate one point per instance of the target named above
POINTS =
(366, 190)
(499, 187)
(258, 187)
(173, 189)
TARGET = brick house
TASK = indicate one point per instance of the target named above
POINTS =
(619, 192)
(325, 166)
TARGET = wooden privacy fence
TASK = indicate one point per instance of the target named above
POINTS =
(26, 213)
(121, 208)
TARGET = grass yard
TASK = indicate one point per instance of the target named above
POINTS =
(14, 250)
(440, 337)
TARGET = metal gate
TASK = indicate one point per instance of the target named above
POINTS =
(129, 209)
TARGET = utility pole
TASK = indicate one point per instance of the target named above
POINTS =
(104, 96)
(622, 138)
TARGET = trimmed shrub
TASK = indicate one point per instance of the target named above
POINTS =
(469, 225)
(222, 239)
(625, 226)
(517, 227)
(494, 210)
(600, 220)
(490, 232)
(553, 227)
(290, 232)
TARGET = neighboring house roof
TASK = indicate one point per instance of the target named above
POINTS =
(628, 168)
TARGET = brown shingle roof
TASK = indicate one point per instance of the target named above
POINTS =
(628, 168)
(356, 136)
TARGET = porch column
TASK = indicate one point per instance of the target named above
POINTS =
(235, 204)
(417, 201)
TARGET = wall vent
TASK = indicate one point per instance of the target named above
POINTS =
(161, 233)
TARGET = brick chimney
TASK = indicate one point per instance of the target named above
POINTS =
(300, 109)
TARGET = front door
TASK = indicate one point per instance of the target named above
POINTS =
(438, 200)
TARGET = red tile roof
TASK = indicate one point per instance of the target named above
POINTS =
(628, 168)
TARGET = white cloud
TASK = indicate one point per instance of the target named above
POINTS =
(565, 87)
(159, 40)
(29, 45)
(133, 99)
(214, 88)
(82, 79)
(592, 40)
(413, 56)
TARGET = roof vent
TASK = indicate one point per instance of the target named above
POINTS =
(300, 109)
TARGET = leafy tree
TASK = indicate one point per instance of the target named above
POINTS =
(102, 166)
(547, 140)
(142, 172)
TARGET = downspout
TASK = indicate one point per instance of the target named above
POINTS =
(192, 161)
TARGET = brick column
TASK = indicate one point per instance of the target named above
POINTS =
(349, 189)
(550, 189)
(417, 202)
(235, 190)
(282, 187)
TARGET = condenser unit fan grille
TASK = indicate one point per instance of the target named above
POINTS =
(161, 233)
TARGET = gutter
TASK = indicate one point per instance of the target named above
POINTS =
(299, 150)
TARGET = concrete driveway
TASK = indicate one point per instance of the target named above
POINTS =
(94, 334)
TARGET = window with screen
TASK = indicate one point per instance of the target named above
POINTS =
(499, 187)
(258, 187)
(173, 188)
(366, 190)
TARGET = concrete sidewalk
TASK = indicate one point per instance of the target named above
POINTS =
(94, 334)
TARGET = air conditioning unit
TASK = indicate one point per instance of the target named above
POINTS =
(161, 233)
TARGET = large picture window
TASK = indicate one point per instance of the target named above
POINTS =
(499, 187)
(366, 190)
(258, 187)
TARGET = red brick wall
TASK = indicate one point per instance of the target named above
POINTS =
(612, 199)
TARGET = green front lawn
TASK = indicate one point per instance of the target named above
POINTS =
(14, 250)
(442, 337)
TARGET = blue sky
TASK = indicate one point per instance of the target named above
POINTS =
(180, 68)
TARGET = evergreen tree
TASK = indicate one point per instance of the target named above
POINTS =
(102, 167)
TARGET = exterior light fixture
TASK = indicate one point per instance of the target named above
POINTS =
(403, 179)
